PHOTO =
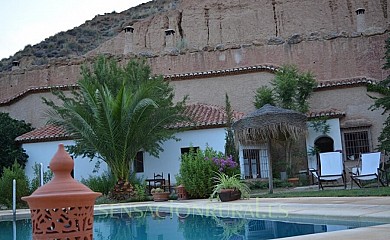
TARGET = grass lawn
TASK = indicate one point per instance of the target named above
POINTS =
(286, 193)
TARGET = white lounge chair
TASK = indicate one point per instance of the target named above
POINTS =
(370, 170)
(331, 169)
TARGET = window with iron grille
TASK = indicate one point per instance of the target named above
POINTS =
(356, 141)
(255, 163)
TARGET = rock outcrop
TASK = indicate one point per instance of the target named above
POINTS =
(327, 37)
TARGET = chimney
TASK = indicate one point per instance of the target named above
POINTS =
(169, 39)
(360, 20)
(15, 65)
(128, 39)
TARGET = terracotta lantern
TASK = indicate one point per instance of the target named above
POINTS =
(62, 208)
(181, 193)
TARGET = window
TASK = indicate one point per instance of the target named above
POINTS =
(255, 163)
(187, 149)
(356, 141)
(139, 162)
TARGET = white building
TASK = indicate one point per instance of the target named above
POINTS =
(208, 129)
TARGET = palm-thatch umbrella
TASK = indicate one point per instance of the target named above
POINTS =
(269, 123)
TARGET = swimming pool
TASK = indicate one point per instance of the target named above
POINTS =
(132, 223)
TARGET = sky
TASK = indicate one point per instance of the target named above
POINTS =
(24, 22)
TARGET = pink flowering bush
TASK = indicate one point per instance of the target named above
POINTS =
(224, 163)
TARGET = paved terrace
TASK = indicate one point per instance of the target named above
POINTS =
(325, 209)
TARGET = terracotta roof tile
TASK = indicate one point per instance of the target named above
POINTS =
(329, 113)
(203, 115)
(345, 83)
(42, 134)
(230, 71)
(37, 90)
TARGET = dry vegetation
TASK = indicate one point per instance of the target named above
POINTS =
(86, 37)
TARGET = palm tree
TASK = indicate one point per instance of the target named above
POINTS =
(117, 112)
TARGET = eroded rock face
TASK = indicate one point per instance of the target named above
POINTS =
(208, 24)
(320, 36)
(217, 34)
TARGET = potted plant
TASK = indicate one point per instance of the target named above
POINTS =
(159, 195)
(229, 188)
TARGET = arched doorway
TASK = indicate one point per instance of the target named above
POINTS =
(324, 144)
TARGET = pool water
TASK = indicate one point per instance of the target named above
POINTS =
(162, 225)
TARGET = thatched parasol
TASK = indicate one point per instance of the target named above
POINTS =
(269, 123)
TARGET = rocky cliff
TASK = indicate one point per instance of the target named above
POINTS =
(335, 39)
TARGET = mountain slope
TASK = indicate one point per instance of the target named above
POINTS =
(86, 37)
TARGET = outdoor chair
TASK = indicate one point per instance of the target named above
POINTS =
(159, 179)
(370, 170)
(158, 175)
(331, 169)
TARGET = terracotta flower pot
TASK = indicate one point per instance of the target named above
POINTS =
(229, 195)
(161, 196)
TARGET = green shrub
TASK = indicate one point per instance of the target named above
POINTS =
(140, 192)
(22, 185)
(197, 170)
(196, 173)
(104, 199)
(47, 176)
(103, 183)
(256, 184)
(282, 183)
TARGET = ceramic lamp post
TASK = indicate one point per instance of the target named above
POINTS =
(62, 208)
(181, 193)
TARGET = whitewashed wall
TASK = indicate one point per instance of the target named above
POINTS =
(169, 159)
(312, 136)
(43, 152)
